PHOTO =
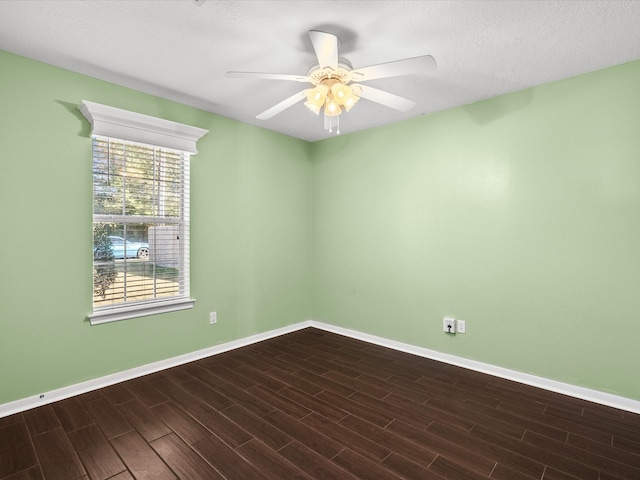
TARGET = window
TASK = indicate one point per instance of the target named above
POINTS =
(140, 214)
(140, 223)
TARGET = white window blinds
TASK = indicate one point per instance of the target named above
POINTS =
(140, 224)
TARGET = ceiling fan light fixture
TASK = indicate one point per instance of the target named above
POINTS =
(343, 95)
(333, 95)
(331, 108)
(313, 107)
(318, 94)
(350, 101)
(316, 98)
(341, 92)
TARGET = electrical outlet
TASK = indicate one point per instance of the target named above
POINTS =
(449, 324)
(213, 318)
(461, 326)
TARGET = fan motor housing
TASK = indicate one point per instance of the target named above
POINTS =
(342, 74)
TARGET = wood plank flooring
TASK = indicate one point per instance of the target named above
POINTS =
(315, 405)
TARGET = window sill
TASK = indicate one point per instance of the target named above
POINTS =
(123, 313)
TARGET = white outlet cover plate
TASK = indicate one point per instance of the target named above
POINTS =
(461, 326)
(449, 321)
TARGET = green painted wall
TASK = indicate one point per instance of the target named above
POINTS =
(519, 214)
(250, 231)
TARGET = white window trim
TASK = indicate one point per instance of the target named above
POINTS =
(134, 311)
(135, 127)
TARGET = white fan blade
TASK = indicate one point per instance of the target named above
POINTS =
(385, 98)
(268, 76)
(407, 66)
(326, 48)
(283, 105)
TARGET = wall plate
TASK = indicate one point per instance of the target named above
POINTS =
(449, 324)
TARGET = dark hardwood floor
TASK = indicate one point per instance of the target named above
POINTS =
(315, 405)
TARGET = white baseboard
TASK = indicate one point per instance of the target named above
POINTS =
(588, 394)
(101, 382)
(527, 379)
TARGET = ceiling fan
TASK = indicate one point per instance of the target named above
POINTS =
(335, 83)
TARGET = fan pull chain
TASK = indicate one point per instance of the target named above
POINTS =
(337, 125)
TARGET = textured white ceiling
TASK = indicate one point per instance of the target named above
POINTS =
(181, 49)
